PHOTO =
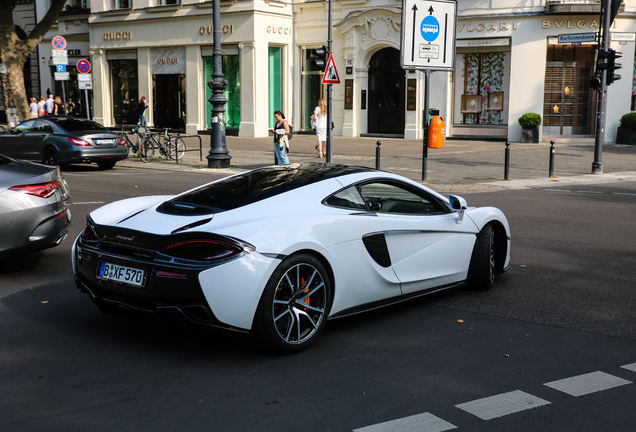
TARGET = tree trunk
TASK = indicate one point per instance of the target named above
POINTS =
(14, 53)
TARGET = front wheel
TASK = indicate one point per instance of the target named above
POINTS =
(482, 267)
(294, 306)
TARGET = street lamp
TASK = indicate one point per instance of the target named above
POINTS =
(218, 157)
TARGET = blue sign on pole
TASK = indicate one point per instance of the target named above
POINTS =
(430, 28)
(60, 68)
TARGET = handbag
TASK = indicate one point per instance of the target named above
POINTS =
(312, 122)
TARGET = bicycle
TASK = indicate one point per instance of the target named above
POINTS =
(135, 147)
(175, 146)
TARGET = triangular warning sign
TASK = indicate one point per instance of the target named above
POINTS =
(331, 73)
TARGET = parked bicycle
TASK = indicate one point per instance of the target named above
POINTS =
(175, 146)
(137, 146)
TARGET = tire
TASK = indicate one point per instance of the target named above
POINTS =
(51, 157)
(146, 150)
(289, 319)
(106, 165)
(482, 267)
(176, 146)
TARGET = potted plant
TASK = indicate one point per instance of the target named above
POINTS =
(530, 123)
(627, 130)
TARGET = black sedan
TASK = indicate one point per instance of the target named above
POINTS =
(34, 211)
(61, 141)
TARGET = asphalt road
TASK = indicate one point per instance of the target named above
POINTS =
(562, 316)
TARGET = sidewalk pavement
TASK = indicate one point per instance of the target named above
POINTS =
(459, 166)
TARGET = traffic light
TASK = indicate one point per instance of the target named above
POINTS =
(612, 66)
(595, 81)
(322, 53)
(601, 63)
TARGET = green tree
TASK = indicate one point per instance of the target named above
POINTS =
(14, 52)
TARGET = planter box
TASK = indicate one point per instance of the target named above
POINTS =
(626, 135)
(530, 134)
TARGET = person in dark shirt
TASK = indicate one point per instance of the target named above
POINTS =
(142, 106)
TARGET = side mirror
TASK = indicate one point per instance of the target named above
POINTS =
(458, 204)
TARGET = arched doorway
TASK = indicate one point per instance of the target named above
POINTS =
(386, 93)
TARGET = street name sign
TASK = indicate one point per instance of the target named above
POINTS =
(428, 34)
(623, 37)
(577, 38)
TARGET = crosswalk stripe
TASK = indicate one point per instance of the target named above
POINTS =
(424, 422)
(501, 405)
(588, 383)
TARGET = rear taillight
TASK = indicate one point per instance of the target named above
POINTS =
(201, 250)
(122, 142)
(78, 142)
(42, 190)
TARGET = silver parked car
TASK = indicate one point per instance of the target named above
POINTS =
(34, 210)
(61, 141)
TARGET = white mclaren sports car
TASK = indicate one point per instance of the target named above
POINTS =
(277, 251)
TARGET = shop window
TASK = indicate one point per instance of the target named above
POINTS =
(124, 85)
(311, 87)
(121, 4)
(482, 99)
(275, 83)
(168, 2)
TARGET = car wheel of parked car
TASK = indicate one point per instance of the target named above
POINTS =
(106, 165)
(294, 306)
(51, 157)
(482, 269)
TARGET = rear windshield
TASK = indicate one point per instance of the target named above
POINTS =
(73, 125)
(248, 188)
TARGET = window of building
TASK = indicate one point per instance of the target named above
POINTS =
(483, 75)
(125, 91)
(168, 2)
(311, 87)
(121, 4)
(275, 82)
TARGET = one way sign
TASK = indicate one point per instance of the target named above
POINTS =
(428, 34)
(331, 73)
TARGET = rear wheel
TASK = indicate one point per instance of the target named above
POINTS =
(51, 157)
(146, 150)
(482, 266)
(294, 307)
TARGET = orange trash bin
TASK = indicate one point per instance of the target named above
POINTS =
(436, 132)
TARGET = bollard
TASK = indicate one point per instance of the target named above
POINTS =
(377, 155)
(507, 161)
(551, 173)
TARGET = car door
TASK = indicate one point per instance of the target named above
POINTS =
(33, 146)
(15, 143)
(427, 247)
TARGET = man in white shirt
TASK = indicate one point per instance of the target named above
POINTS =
(49, 105)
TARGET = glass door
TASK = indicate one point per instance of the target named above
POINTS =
(275, 78)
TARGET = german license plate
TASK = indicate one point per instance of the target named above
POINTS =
(103, 141)
(127, 275)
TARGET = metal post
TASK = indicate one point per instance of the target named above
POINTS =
(551, 172)
(427, 85)
(377, 155)
(507, 162)
(218, 157)
(329, 117)
(88, 108)
(601, 103)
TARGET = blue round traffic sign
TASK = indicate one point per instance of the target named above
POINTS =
(59, 43)
(83, 66)
(430, 28)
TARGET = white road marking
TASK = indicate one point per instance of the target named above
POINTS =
(588, 383)
(424, 422)
(591, 192)
(631, 367)
(623, 193)
(501, 405)
(88, 202)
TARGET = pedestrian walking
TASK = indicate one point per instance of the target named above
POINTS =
(70, 106)
(34, 108)
(49, 105)
(142, 106)
(320, 116)
(42, 106)
(281, 142)
(58, 107)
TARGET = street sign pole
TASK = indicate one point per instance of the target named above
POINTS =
(601, 102)
(329, 118)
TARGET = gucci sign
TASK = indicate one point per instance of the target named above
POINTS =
(118, 35)
(167, 60)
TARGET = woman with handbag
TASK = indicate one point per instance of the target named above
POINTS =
(320, 117)
(281, 142)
